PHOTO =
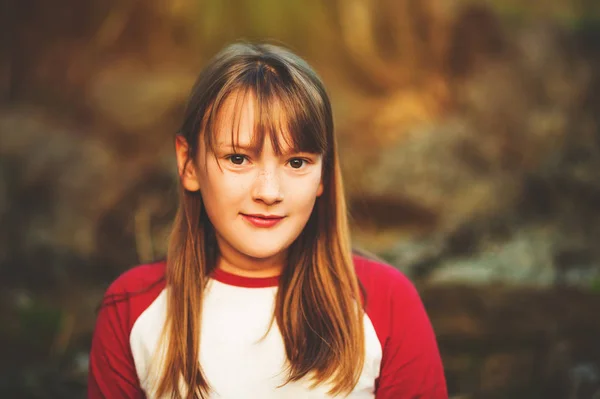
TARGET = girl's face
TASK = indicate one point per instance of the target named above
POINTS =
(258, 203)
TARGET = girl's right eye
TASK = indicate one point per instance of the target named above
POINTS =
(236, 159)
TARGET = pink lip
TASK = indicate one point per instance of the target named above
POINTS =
(263, 220)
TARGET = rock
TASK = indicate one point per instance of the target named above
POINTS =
(514, 190)
(510, 369)
(134, 98)
(62, 194)
(527, 258)
(501, 342)
(585, 380)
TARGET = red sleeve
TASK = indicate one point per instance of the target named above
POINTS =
(112, 371)
(411, 366)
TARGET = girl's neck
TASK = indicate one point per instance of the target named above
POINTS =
(235, 262)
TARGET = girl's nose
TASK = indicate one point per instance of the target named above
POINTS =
(267, 188)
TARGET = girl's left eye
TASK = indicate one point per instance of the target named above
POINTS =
(297, 163)
(236, 159)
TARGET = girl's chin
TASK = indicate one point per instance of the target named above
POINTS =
(263, 255)
(258, 253)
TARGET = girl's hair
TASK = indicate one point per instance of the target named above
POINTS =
(318, 305)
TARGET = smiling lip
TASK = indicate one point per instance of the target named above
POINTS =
(263, 220)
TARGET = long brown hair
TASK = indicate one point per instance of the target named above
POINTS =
(318, 306)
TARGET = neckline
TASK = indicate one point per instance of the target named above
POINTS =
(244, 281)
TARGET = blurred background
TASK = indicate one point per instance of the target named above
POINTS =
(470, 142)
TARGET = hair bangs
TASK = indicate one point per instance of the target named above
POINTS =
(285, 111)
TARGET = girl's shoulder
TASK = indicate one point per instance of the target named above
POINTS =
(410, 363)
(133, 292)
(381, 279)
(139, 279)
(112, 367)
(391, 302)
(390, 298)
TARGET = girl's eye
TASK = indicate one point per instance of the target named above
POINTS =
(236, 159)
(297, 163)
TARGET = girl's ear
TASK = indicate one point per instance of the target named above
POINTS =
(320, 189)
(185, 165)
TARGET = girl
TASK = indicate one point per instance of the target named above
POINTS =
(260, 295)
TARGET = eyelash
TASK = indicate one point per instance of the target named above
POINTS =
(244, 157)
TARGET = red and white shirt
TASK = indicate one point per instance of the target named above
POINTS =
(401, 354)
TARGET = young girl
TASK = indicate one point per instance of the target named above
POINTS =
(260, 295)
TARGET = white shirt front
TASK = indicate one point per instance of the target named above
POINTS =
(237, 358)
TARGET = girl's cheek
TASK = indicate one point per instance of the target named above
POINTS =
(314, 180)
(237, 183)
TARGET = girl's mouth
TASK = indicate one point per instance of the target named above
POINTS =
(263, 221)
